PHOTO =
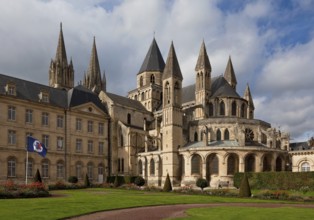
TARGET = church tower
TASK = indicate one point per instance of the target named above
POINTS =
(93, 80)
(61, 74)
(172, 136)
(230, 75)
(203, 82)
(149, 86)
(250, 108)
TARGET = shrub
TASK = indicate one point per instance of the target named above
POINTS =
(73, 179)
(167, 186)
(245, 190)
(37, 177)
(116, 182)
(201, 183)
(86, 181)
(139, 181)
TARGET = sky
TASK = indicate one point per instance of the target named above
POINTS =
(271, 44)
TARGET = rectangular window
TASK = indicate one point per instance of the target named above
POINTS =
(60, 170)
(45, 169)
(30, 168)
(11, 137)
(29, 116)
(45, 119)
(11, 90)
(11, 168)
(78, 147)
(101, 148)
(101, 128)
(11, 113)
(90, 146)
(90, 171)
(59, 143)
(59, 121)
(45, 98)
(78, 169)
(45, 140)
(78, 124)
(90, 126)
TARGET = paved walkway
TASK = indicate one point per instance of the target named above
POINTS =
(171, 211)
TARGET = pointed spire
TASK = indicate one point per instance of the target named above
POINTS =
(61, 55)
(247, 96)
(104, 82)
(203, 61)
(94, 73)
(172, 68)
(153, 60)
(230, 75)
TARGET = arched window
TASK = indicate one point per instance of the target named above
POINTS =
(60, 169)
(278, 164)
(212, 165)
(250, 163)
(11, 167)
(176, 92)
(195, 136)
(222, 108)
(142, 96)
(234, 108)
(140, 167)
(218, 135)
(129, 118)
(167, 93)
(267, 163)
(152, 79)
(141, 81)
(135, 97)
(201, 81)
(197, 81)
(210, 109)
(232, 164)
(305, 167)
(226, 134)
(196, 164)
(152, 167)
(264, 138)
(100, 169)
(121, 137)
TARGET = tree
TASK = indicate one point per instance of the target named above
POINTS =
(86, 181)
(37, 178)
(202, 183)
(139, 181)
(245, 190)
(73, 179)
(167, 186)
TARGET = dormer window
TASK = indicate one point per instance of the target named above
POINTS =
(10, 89)
(44, 96)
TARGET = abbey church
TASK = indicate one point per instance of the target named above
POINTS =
(203, 130)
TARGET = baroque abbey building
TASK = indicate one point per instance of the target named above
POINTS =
(202, 130)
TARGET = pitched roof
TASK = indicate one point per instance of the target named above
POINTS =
(29, 91)
(248, 96)
(203, 60)
(61, 54)
(124, 101)
(219, 87)
(153, 60)
(80, 95)
(172, 68)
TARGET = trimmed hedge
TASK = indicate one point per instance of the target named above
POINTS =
(277, 180)
(121, 179)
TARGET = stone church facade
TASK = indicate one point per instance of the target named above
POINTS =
(202, 130)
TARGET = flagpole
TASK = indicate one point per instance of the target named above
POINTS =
(26, 167)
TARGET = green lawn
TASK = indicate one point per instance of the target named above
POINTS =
(77, 202)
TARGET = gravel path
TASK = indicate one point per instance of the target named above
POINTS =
(171, 211)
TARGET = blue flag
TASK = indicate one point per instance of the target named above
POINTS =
(34, 145)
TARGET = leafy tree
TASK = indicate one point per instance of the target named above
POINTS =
(202, 183)
(86, 181)
(37, 178)
(167, 186)
(139, 181)
(73, 179)
(245, 190)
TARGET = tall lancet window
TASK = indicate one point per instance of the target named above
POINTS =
(152, 79)
(222, 108)
(167, 93)
(176, 92)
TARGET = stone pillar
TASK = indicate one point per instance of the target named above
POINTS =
(241, 164)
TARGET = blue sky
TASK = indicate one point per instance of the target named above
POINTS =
(271, 43)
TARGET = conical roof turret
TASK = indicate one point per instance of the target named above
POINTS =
(203, 60)
(247, 96)
(153, 60)
(172, 68)
(230, 75)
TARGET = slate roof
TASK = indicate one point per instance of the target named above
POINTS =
(203, 60)
(29, 91)
(124, 101)
(219, 87)
(172, 67)
(153, 60)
